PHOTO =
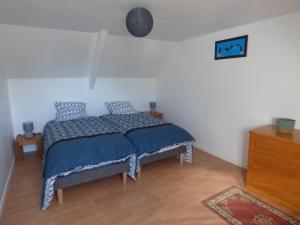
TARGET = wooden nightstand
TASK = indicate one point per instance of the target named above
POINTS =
(158, 115)
(21, 141)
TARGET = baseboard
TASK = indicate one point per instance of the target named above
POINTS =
(3, 197)
(221, 156)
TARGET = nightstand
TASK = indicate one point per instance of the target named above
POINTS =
(158, 115)
(21, 141)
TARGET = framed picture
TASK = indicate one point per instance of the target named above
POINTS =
(231, 48)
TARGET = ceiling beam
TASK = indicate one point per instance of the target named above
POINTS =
(97, 55)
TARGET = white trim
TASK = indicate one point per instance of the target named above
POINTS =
(221, 156)
(3, 197)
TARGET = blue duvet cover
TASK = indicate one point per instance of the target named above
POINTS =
(81, 144)
(151, 139)
(150, 135)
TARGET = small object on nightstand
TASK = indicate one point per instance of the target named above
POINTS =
(158, 115)
(21, 140)
(152, 106)
(28, 128)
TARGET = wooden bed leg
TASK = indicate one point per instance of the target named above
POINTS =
(60, 196)
(124, 177)
(181, 158)
(139, 172)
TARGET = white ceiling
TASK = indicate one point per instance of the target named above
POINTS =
(174, 20)
(28, 52)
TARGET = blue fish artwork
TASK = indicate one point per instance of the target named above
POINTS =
(231, 48)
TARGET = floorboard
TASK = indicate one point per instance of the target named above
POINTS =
(167, 194)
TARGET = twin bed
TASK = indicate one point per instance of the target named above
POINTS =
(90, 148)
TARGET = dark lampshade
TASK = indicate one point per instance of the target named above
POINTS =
(28, 129)
(139, 22)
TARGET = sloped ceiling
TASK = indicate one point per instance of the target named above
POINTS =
(174, 20)
(55, 38)
(27, 52)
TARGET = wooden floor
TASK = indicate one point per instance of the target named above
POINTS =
(167, 194)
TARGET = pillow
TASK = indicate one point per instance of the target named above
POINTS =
(70, 110)
(120, 107)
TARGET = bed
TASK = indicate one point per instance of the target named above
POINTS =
(82, 150)
(154, 139)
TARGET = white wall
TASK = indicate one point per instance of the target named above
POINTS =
(219, 101)
(6, 140)
(33, 99)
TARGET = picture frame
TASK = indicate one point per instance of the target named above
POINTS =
(231, 48)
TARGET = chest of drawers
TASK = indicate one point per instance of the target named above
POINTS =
(274, 166)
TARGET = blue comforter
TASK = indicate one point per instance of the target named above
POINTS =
(81, 144)
(151, 139)
(148, 134)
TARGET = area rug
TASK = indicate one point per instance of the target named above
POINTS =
(241, 208)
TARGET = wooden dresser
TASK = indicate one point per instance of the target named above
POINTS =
(274, 166)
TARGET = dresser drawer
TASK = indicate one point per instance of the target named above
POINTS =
(286, 198)
(276, 178)
(282, 176)
(274, 148)
(274, 166)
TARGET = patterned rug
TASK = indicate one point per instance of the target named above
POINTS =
(241, 208)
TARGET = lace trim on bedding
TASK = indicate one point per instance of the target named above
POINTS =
(49, 189)
(188, 155)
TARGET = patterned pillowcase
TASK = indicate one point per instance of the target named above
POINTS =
(120, 107)
(70, 110)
